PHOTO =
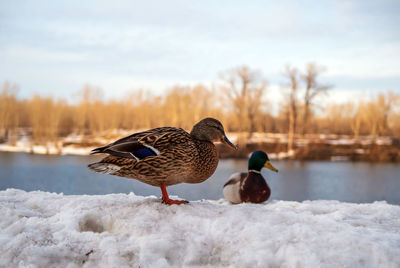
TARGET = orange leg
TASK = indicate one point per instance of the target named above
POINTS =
(165, 197)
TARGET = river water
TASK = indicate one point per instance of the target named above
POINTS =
(357, 182)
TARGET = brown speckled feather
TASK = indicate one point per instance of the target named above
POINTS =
(181, 158)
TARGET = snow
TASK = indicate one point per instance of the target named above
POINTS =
(43, 149)
(26, 145)
(338, 158)
(341, 142)
(282, 155)
(40, 229)
(73, 150)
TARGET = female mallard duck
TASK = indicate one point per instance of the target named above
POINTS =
(251, 186)
(165, 156)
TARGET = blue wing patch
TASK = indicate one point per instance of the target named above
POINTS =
(134, 150)
(144, 152)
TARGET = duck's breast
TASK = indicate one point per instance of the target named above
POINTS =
(254, 189)
(204, 162)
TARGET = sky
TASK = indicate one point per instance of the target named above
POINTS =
(54, 48)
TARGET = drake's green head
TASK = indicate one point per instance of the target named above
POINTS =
(258, 160)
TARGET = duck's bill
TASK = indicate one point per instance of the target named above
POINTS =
(270, 166)
(229, 143)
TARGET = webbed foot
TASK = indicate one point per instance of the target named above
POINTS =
(167, 200)
(174, 202)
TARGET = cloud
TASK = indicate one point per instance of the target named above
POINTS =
(368, 61)
(127, 43)
(38, 55)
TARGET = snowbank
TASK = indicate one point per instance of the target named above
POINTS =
(42, 149)
(39, 229)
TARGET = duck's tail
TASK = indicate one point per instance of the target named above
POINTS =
(104, 168)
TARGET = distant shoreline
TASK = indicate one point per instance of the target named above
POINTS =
(325, 147)
(310, 147)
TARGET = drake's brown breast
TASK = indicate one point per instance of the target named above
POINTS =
(254, 189)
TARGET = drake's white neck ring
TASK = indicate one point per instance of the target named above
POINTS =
(254, 171)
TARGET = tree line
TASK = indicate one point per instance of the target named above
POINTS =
(239, 100)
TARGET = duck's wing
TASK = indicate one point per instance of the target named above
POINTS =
(133, 149)
(143, 144)
(231, 188)
(235, 178)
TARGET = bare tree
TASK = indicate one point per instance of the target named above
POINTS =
(357, 117)
(241, 109)
(293, 75)
(8, 110)
(88, 112)
(312, 90)
(338, 119)
(201, 101)
(244, 89)
(386, 103)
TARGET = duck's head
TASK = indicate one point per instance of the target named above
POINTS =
(210, 129)
(258, 160)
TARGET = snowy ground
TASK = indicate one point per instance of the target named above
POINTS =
(39, 229)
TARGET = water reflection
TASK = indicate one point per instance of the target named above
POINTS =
(297, 181)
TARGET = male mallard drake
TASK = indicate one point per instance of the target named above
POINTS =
(165, 156)
(251, 186)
